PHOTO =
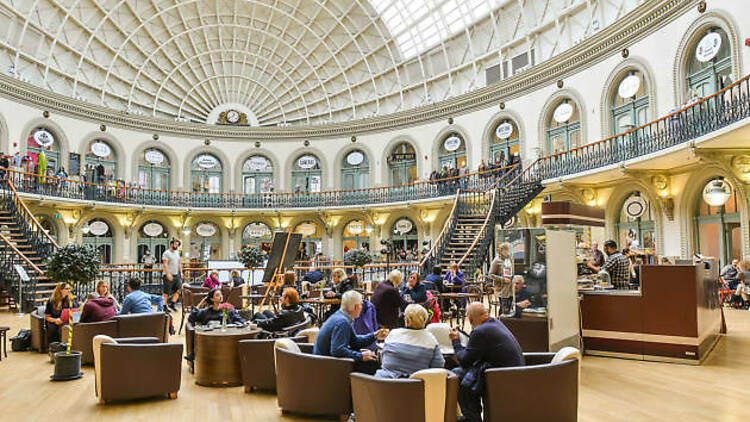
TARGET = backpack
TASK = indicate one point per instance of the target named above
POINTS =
(21, 342)
(433, 308)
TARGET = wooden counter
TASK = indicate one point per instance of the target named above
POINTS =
(675, 317)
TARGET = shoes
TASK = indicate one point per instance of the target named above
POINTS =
(171, 331)
(172, 306)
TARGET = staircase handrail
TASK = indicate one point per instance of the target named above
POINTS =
(24, 210)
(439, 238)
(481, 232)
(20, 254)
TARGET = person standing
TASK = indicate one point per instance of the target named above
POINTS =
(148, 262)
(617, 265)
(172, 274)
(597, 254)
(501, 272)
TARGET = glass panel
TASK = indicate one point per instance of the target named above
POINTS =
(735, 236)
(708, 234)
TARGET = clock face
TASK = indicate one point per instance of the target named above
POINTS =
(233, 116)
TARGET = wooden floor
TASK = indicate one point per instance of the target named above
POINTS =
(611, 390)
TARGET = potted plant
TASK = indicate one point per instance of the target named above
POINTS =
(78, 265)
(359, 258)
(251, 257)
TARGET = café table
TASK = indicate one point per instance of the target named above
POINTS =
(217, 361)
(460, 312)
(320, 305)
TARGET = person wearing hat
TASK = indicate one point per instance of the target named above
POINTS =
(411, 349)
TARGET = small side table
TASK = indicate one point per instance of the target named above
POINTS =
(4, 341)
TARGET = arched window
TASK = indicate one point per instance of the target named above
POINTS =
(306, 174)
(257, 175)
(258, 235)
(402, 162)
(504, 142)
(404, 236)
(43, 150)
(100, 156)
(355, 171)
(152, 236)
(563, 126)
(636, 223)
(356, 236)
(709, 67)
(205, 243)
(153, 169)
(452, 151)
(630, 102)
(206, 174)
(717, 228)
(312, 239)
(98, 233)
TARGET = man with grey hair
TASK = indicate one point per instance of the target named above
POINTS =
(491, 345)
(337, 337)
(501, 270)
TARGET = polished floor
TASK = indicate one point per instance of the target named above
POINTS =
(611, 390)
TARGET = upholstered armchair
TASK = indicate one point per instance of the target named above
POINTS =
(257, 363)
(83, 336)
(38, 330)
(153, 324)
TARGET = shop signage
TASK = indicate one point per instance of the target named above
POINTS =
(355, 158)
(403, 156)
(207, 161)
(356, 227)
(43, 138)
(306, 229)
(404, 226)
(635, 206)
(307, 162)
(452, 143)
(258, 230)
(257, 162)
(98, 228)
(153, 229)
(504, 131)
(563, 112)
(629, 86)
(708, 47)
(205, 230)
(154, 157)
(100, 149)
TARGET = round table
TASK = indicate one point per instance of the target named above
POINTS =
(320, 305)
(217, 361)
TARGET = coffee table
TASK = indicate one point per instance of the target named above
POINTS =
(217, 361)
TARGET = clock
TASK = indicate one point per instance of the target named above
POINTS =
(233, 116)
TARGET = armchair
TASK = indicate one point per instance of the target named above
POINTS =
(257, 363)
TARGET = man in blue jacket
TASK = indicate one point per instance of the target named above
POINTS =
(337, 337)
(138, 301)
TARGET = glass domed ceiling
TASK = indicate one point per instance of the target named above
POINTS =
(284, 61)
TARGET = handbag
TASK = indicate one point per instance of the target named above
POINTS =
(21, 342)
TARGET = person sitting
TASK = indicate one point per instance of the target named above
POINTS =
(434, 281)
(454, 277)
(411, 349)
(236, 279)
(98, 308)
(491, 345)
(102, 289)
(291, 313)
(313, 276)
(414, 291)
(387, 300)
(730, 274)
(212, 281)
(523, 297)
(60, 300)
(289, 280)
(139, 302)
(341, 284)
(337, 337)
(211, 309)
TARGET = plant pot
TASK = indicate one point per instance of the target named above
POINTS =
(54, 347)
(67, 366)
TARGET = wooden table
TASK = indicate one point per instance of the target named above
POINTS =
(320, 305)
(456, 296)
(217, 362)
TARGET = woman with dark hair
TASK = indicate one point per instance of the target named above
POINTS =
(60, 300)
(212, 309)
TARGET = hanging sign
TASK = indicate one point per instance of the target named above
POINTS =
(207, 161)
(504, 131)
(154, 156)
(635, 206)
(258, 230)
(257, 162)
(100, 149)
(306, 229)
(98, 228)
(629, 86)
(563, 112)
(708, 47)
(307, 162)
(43, 138)
(403, 156)
(153, 229)
(205, 230)
(452, 143)
(404, 226)
(355, 158)
(356, 227)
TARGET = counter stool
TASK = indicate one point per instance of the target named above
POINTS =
(4, 340)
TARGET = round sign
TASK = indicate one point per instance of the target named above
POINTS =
(153, 229)
(307, 162)
(258, 230)
(205, 229)
(207, 161)
(404, 226)
(356, 227)
(154, 156)
(629, 86)
(452, 143)
(355, 158)
(563, 112)
(257, 162)
(708, 47)
(306, 229)
(98, 228)
(635, 206)
(100, 149)
(504, 130)
(43, 138)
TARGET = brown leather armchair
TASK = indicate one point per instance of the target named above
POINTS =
(38, 330)
(83, 336)
(330, 394)
(510, 393)
(191, 297)
(257, 363)
(155, 324)
(398, 400)
(128, 369)
(232, 296)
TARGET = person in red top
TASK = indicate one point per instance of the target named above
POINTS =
(212, 281)
(98, 309)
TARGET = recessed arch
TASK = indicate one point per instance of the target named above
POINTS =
(226, 179)
(166, 149)
(388, 149)
(614, 205)
(268, 154)
(437, 143)
(341, 156)
(548, 109)
(57, 131)
(325, 168)
(611, 87)
(489, 132)
(119, 153)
